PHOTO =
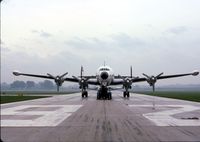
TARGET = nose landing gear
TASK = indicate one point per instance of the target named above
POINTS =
(126, 94)
(84, 94)
(104, 94)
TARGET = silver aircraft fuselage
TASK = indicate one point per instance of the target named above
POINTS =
(105, 75)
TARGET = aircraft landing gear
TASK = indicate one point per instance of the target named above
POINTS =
(109, 96)
(99, 95)
(126, 94)
(84, 94)
(104, 94)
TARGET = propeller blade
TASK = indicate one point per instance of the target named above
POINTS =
(51, 75)
(131, 72)
(76, 78)
(146, 75)
(58, 88)
(121, 77)
(153, 87)
(81, 71)
(87, 79)
(159, 75)
(64, 74)
(132, 79)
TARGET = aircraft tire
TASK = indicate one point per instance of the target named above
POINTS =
(98, 95)
(110, 96)
(86, 94)
(124, 94)
(128, 94)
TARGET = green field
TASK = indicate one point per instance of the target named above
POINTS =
(15, 96)
(9, 99)
(22, 96)
(190, 96)
(19, 93)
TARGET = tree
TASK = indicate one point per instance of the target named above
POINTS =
(46, 84)
(5, 86)
(18, 85)
(30, 84)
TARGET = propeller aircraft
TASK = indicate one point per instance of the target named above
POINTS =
(105, 79)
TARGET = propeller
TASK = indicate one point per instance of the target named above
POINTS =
(128, 80)
(131, 72)
(152, 79)
(59, 79)
(82, 80)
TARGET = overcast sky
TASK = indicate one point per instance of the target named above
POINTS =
(48, 36)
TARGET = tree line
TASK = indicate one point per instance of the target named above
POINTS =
(28, 85)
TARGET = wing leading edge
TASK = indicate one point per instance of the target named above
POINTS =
(138, 79)
(115, 82)
(92, 82)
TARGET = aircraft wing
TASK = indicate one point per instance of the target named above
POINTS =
(92, 82)
(90, 77)
(42, 76)
(32, 75)
(71, 79)
(114, 88)
(141, 79)
(110, 88)
(178, 75)
(194, 73)
(117, 82)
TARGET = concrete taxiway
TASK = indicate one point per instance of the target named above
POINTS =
(69, 118)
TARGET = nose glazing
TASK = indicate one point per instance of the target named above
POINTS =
(104, 75)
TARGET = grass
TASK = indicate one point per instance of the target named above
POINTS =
(15, 96)
(36, 92)
(22, 96)
(9, 99)
(190, 96)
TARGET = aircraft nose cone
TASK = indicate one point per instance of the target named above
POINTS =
(104, 75)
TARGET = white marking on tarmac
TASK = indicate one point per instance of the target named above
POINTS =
(165, 118)
(48, 118)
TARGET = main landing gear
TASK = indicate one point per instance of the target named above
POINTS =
(104, 94)
(126, 94)
(84, 94)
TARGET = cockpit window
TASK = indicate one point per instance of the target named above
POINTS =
(104, 69)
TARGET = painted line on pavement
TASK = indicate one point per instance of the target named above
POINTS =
(165, 118)
(47, 118)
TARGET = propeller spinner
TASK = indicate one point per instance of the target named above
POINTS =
(82, 80)
(58, 79)
(128, 80)
(152, 79)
